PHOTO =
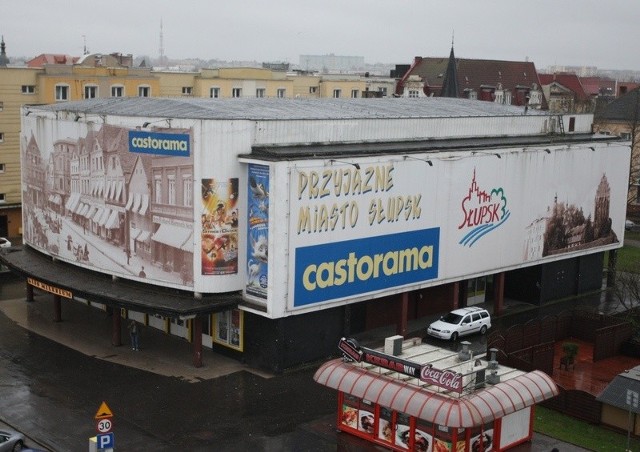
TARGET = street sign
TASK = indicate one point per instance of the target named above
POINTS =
(104, 425)
(103, 412)
(105, 441)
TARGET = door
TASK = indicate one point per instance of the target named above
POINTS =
(4, 226)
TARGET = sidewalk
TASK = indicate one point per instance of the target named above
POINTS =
(88, 330)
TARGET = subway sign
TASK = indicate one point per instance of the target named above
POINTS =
(342, 269)
(158, 143)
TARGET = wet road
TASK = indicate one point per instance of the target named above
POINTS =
(51, 393)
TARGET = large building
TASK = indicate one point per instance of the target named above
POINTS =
(267, 229)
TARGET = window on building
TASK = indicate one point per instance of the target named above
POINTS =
(3, 197)
(2, 167)
(313, 89)
(28, 89)
(414, 93)
(355, 93)
(117, 91)
(337, 93)
(90, 91)
(144, 91)
(1, 137)
(229, 329)
(260, 92)
(1, 106)
(572, 124)
(171, 190)
(236, 92)
(62, 93)
(625, 135)
(187, 191)
(187, 90)
(157, 190)
(281, 92)
(383, 90)
(214, 92)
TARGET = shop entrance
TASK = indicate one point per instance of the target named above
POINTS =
(477, 290)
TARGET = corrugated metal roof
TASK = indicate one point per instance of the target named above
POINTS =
(621, 390)
(286, 109)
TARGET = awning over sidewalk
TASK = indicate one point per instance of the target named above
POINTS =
(102, 288)
(112, 221)
(476, 409)
(171, 235)
(72, 201)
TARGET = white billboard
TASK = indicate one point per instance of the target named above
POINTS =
(369, 227)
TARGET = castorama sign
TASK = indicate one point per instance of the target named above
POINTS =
(391, 224)
(157, 143)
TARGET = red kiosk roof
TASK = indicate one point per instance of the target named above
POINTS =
(476, 409)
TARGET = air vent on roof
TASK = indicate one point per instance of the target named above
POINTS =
(393, 345)
(465, 353)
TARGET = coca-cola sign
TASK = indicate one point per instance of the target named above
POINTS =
(446, 379)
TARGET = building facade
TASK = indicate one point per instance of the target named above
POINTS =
(315, 219)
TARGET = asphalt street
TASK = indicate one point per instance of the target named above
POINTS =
(51, 392)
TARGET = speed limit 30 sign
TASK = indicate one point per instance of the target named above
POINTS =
(104, 425)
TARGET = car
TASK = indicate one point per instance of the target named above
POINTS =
(11, 441)
(4, 243)
(629, 225)
(461, 322)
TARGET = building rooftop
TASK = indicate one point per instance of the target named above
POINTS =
(286, 109)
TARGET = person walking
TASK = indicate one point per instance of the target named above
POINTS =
(133, 334)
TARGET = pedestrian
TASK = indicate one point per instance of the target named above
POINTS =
(142, 274)
(133, 334)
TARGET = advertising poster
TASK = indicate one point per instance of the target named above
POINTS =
(99, 198)
(219, 226)
(357, 229)
(258, 231)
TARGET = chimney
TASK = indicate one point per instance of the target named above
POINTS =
(493, 378)
(465, 353)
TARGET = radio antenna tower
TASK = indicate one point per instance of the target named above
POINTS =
(161, 45)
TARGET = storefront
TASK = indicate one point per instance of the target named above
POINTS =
(414, 396)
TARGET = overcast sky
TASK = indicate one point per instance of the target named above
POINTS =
(548, 32)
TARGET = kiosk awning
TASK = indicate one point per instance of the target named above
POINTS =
(479, 408)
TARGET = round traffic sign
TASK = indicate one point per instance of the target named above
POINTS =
(104, 425)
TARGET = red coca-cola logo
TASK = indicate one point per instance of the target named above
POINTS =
(442, 378)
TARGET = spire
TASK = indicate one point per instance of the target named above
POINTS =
(4, 60)
(450, 83)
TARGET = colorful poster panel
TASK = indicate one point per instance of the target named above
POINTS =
(219, 226)
(258, 231)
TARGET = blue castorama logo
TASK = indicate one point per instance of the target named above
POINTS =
(175, 144)
(337, 270)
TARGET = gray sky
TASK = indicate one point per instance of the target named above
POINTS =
(548, 32)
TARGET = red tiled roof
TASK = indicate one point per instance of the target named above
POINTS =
(474, 74)
(51, 58)
(594, 86)
(568, 80)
